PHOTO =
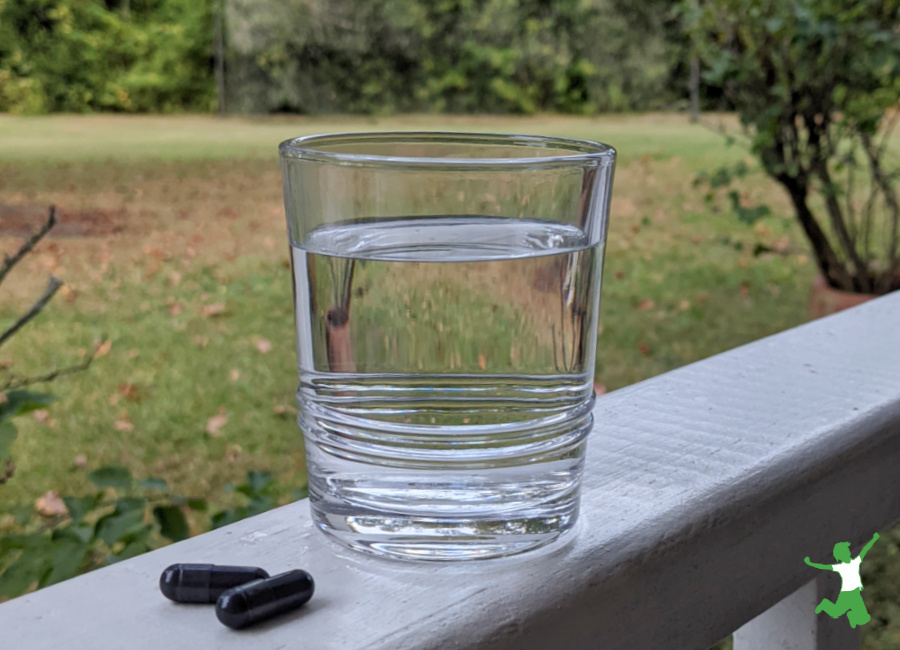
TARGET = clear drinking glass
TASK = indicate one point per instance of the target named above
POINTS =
(446, 290)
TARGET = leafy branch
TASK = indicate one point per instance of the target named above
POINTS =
(62, 537)
(16, 402)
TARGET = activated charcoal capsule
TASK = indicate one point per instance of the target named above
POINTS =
(204, 583)
(262, 599)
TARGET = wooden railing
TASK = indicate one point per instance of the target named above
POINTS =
(705, 489)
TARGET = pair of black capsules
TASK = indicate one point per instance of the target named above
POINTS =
(243, 595)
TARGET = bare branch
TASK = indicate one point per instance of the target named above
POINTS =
(868, 215)
(19, 382)
(887, 131)
(347, 289)
(850, 195)
(10, 262)
(890, 198)
(52, 288)
(838, 223)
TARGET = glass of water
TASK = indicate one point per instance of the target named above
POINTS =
(446, 291)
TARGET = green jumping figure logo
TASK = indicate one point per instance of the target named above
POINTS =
(850, 600)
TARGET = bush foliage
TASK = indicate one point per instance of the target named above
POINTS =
(816, 84)
(90, 55)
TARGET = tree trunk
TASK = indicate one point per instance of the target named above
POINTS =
(337, 341)
(695, 88)
(219, 55)
(829, 264)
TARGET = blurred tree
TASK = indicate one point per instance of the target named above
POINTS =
(816, 84)
(84, 55)
(493, 56)
(315, 56)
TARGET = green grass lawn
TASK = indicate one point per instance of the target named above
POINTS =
(181, 260)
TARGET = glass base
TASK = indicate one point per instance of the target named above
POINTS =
(442, 493)
(443, 539)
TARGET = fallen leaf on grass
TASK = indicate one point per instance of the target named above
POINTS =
(482, 362)
(683, 305)
(644, 349)
(234, 375)
(50, 505)
(123, 425)
(103, 349)
(644, 305)
(622, 207)
(131, 392)
(202, 341)
(215, 424)
(155, 253)
(781, 245)
(79, 461)
(762, 230)
(215, 309)
(43, 416)
(68, 293)
(175, 309)
(264, 345)
(745, 289)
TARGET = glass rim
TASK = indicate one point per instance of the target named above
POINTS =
(583, 151)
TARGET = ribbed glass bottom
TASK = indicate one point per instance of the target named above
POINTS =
(445, 492)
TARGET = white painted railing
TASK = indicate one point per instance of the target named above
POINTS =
(705, 489)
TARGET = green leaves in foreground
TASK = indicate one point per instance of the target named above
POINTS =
(114, 477)
(15, 403)
(259, 489)
(121, 519)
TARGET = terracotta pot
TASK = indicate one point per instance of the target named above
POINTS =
(824, 300)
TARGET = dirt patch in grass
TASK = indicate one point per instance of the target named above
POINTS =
(24, 220)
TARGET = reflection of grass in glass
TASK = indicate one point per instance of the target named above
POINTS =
(440, 326)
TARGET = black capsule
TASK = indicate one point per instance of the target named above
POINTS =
(204, 583)
(262, 599)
